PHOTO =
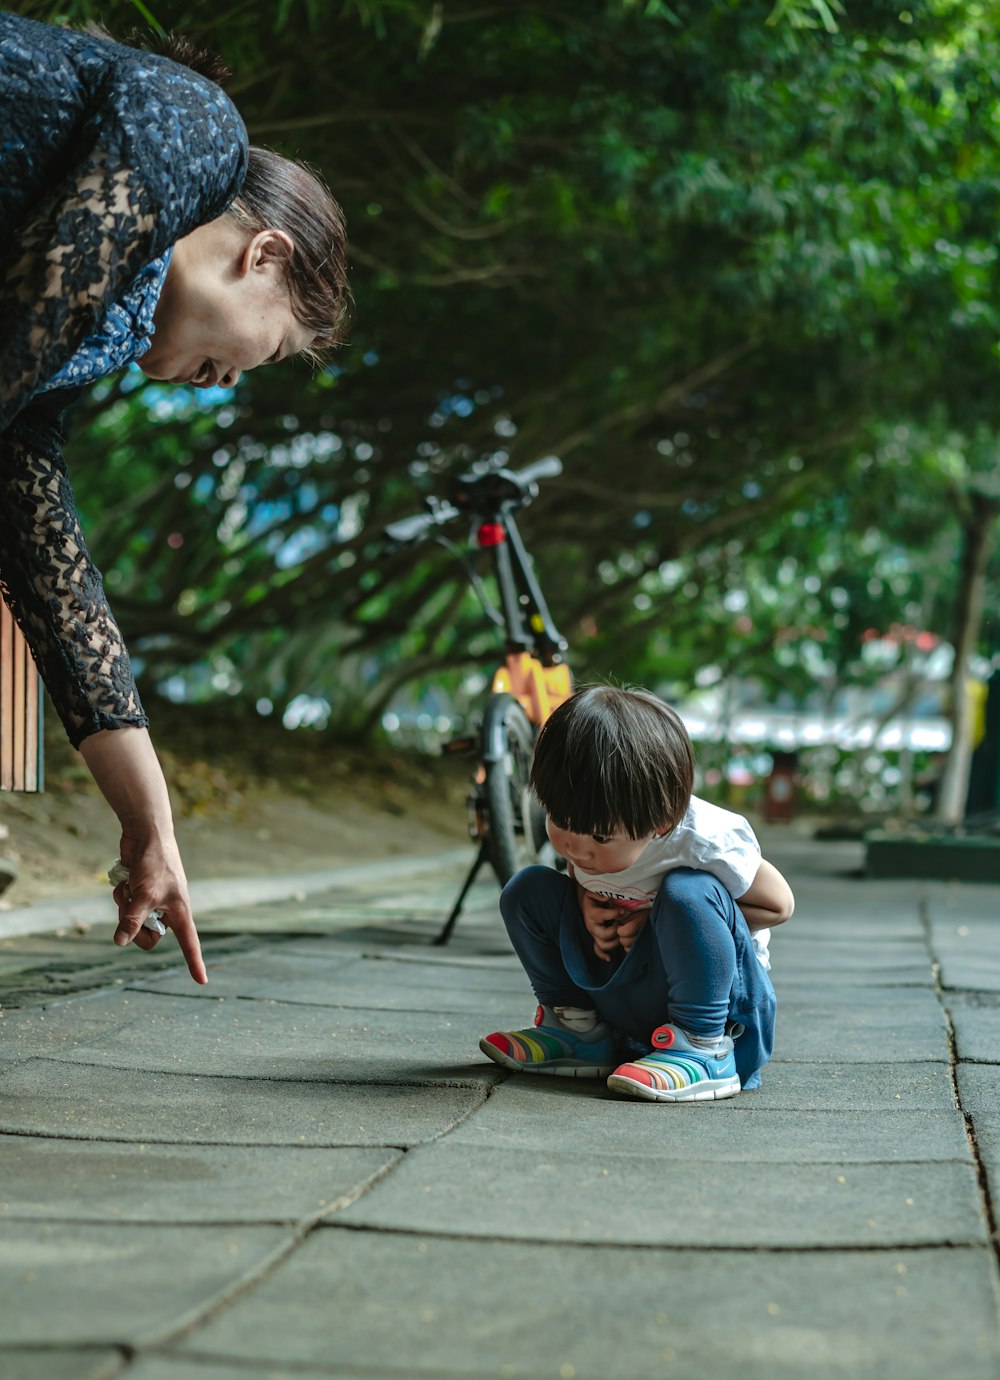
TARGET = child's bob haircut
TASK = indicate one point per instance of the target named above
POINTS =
(611, 760)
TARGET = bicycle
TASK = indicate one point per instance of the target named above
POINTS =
(534, 679)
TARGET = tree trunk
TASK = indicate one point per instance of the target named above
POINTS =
(977, 532)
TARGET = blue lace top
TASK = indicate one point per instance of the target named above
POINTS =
(108, 156)
(123, 335)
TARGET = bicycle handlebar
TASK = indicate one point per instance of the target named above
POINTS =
(411, 528)
(546, 468)
(497, 486)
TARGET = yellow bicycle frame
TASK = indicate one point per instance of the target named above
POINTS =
(538, 689)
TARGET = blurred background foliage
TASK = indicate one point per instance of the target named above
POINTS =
(734, 261)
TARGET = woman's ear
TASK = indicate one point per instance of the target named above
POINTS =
(265, 249)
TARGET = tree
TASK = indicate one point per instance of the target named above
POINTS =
(703, 251)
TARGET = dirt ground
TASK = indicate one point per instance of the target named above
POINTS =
(250, 799)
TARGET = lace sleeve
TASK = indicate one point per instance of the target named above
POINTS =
(54, 590)
(85, 244)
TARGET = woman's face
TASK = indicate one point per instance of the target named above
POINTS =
(224, 308)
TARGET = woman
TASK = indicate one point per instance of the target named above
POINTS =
(135, 223)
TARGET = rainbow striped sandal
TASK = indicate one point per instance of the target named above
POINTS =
(676, 1071)
(550, 1048)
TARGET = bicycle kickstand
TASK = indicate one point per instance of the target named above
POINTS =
(456, 909)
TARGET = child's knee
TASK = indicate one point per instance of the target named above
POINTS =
(693, 916)
(687, 889)
(528, 886)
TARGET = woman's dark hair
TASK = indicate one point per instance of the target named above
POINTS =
(612, 759)
(281, 195)
(176, 47)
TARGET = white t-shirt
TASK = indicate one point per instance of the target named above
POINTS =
(709, 839)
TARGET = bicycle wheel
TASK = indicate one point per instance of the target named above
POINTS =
(515, 824)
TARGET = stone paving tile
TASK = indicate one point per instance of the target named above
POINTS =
(353, 925)
(979, 1087)
(62, 1025)
(365, 984)
(986, 1128)
(233, 977)
(474, 966)
(406, 889)
(857, 909)
(833, 860)
(793, 982)
(878, 963)
(471, 1190)
(76, 1284)
(31, 951)
(66, 1181)
(968, 950)
(174, 1367)
(428, 1308)
(79, 1101)
(859, 1086)
(960, 901)
(407, 965)
(414, 910)
(534, 1113)
(46, 1364)
(850, 944)
(858, 920)
(474, 948)
(44, 969)
(265, 1039)
(864, 1024)
(976, 1020)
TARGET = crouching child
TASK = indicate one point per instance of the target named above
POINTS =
(649, 956)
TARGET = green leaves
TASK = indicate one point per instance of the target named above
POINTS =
(711, 253)
(148, 16)
(808, 14)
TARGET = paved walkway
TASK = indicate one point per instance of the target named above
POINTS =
(306, 1169)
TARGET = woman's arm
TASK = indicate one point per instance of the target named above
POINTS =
(57, 596)
(126, 769)
(769, 900)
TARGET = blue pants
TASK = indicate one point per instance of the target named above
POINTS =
(692, 964)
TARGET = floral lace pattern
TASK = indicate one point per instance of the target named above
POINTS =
(56, 594)
(108, 156)
(123, 335)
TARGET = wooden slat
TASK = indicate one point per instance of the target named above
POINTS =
(21, 744)
(32, 717)
(32, 733)
(20, 690)
(6, 700)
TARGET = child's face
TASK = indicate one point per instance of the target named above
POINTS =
(596, 852)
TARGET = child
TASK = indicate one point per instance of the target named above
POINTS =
(646, 946)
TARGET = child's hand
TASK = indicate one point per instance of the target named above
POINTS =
(601, 918)
(629, 927)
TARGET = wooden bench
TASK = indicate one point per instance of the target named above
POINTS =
(21, 746)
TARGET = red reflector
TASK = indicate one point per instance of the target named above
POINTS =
(491, 534)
